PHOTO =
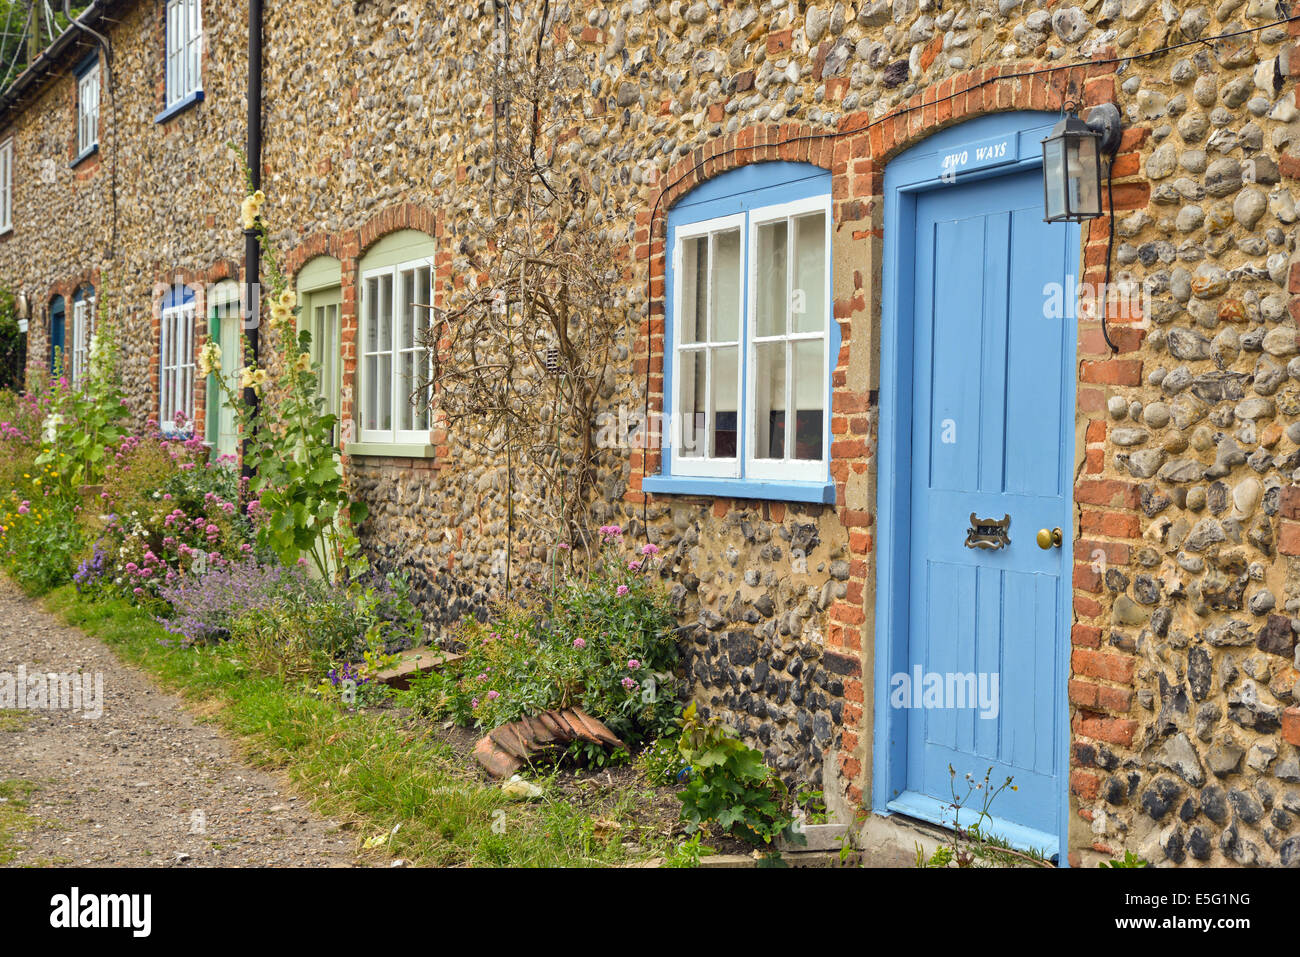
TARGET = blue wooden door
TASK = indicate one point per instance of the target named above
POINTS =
(57, 323)
(992, 413)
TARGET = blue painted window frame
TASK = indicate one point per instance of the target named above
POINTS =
(739, 193)
(89, 63)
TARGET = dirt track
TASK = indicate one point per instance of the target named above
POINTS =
(144, 785)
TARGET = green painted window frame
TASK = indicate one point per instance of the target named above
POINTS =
(225, 295)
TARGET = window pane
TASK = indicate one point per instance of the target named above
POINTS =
(372, 314)
(809, 399)
(405, 386)
(385, 392)
(690, 403)
(370, 407)
(808, 300)
(725, 388)
(423, 300)
(406, 318)
(385, 314)
(726, 286)
(769, 400)
(694, 305)
(770, 266)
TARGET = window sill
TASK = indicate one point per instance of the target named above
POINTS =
(180, 106)
(83, 156)
(394, 450)
(769, 490)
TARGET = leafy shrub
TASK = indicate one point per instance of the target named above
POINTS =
(604, 643)
(40, 537)
(169, 512)
(87, 420)
(730, 785)
(661, 762)
(205, 607)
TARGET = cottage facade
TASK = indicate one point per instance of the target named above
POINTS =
(863, 344)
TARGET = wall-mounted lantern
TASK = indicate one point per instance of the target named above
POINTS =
(1072, 156)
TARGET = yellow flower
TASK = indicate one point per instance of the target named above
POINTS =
(260, 378)
(279, 313)
(209, 358)
(304, 362)
(258, 198)
(248, 213)
(246, 377)
(288, 299)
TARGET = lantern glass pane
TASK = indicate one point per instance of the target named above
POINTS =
(1089, 202)
(1054, 178)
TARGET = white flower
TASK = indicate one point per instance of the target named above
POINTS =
(50, 428)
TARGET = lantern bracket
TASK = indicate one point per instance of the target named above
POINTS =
(1104, 119)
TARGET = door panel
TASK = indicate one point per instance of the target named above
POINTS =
(992, 407)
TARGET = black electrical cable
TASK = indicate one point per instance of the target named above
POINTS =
(1110, 247)
(836, 134)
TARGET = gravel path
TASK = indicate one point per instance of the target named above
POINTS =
(145, 785)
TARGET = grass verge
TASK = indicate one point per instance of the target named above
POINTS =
(408, 794)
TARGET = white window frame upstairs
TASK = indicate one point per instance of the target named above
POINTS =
(705, 465)
(83, 327)
(372, 379)
(176, 367)
(88, 110)
(184, 52)
(7, 185)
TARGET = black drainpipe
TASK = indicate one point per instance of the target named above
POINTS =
(252, 247)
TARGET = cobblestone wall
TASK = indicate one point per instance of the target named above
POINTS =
(1187, 597)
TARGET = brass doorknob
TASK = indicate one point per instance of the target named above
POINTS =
(1049, 538)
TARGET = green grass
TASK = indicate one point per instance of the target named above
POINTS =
(13, 816)
(372, 768)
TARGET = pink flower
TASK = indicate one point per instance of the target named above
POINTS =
(628, 683)
(633, 664)
(649, 549)
(634, 565)
(473, 702)
(493, 695)
(579, 643)
(622, 590)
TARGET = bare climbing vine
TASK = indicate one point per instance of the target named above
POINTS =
(522, 350)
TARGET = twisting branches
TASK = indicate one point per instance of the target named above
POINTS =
(523, 348)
